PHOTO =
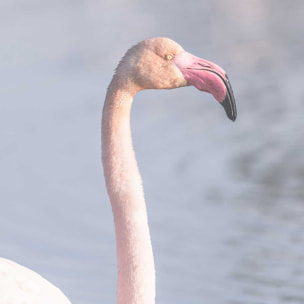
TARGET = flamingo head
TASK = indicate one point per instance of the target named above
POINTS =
(161, 63)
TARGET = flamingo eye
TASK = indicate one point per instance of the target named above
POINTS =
(169, 57)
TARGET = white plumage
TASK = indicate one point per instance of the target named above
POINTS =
(20, 285)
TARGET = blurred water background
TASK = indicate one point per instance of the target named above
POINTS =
(225, 200)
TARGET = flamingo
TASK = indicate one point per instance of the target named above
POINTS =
(157, 63)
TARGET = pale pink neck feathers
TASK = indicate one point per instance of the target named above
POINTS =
(136, 274)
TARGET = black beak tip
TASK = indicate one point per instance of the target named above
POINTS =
(229, 105)
(229, 102)
(233, 118)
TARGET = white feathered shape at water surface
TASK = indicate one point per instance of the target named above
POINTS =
(21, 285)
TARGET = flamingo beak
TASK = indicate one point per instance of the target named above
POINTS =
(208, 77)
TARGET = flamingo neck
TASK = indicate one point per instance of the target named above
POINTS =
(136, 273)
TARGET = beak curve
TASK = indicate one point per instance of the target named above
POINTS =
(208, 77)
(229, 102)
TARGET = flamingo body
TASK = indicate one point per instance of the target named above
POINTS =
(19, 284)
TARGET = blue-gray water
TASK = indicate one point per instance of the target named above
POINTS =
(225, 200)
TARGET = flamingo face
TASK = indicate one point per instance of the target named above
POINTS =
(208, 77)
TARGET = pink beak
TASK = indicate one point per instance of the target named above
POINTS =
(208, 77)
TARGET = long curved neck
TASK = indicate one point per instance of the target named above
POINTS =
(136, 273)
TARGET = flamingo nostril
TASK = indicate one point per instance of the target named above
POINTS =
(204, 65)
